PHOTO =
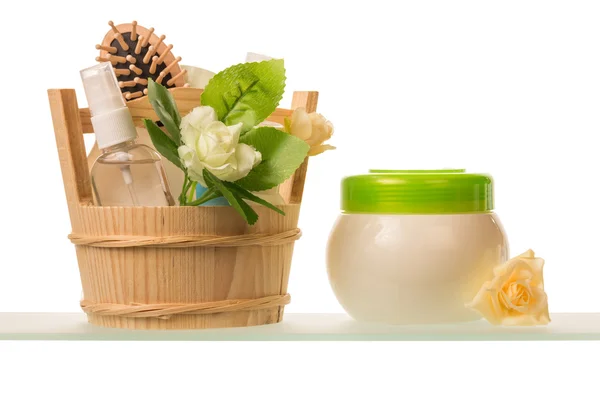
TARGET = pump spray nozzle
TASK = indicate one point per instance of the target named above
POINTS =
(111, 119)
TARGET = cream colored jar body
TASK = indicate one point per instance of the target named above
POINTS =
(413, 269)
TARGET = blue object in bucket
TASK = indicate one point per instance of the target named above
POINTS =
(219, 201)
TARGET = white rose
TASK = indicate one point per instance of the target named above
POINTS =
(209, 143)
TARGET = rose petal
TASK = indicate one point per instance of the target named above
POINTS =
(544, 319)
(521, 271)
(185, 153)
(220, 131)
(484, 304)
(217, 159)
(329, 129)
(540, 304)
(245, 156)
(506, 268)
(198, 118)
(203, 146)
(537, 266)
(300, 125)
(319, 129)
(223, 172)
(190, 135)
(528, 254)
(315, 150)
(235, 131)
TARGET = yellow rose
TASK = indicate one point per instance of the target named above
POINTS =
(515, 296)
(313, 128)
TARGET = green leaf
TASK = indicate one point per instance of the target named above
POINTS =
(244, 194)
(165, 107)
(235, 201)
(163, 143)
(249, 214)
(246, 93)
(282, 154)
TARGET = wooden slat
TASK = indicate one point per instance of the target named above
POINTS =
(86, 121)
(186, 98)
(71, 150)
(293, 189)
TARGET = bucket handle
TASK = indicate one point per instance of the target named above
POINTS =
(71, 150)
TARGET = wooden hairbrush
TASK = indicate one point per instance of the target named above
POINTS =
(137, 54)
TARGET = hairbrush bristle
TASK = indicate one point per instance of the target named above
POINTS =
(149, 54)
(160, 40)
(170, 66)
(165, 71)
(137, 55)
(147, 38)
(110, 49)
(105, 59)
(136, 70)
(154, 64)
(124, 84)
(134, 95)
(113, 27)
(121, 41)
(181, 74)
(138, 47)
(162, 57)
(121, 71)
(133, 35)
(116, 58)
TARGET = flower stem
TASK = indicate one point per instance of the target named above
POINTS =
(192, 192)
(184, 189)
(210, 194)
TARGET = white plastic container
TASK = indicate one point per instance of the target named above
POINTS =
(412, 247)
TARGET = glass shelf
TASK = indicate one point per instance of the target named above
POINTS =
(298, 327)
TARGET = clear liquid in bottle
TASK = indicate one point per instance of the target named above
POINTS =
(130, 174)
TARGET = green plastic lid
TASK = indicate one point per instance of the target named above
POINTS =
(447, 191)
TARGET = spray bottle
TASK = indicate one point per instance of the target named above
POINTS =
(127, 173)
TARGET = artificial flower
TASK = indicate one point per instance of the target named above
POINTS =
(313, 128)
(515, 296)
(209, 143)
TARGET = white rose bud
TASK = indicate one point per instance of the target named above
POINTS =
(209, 143)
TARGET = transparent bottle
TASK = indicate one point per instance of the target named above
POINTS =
(127, 173)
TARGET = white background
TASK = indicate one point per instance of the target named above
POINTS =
(510, 88)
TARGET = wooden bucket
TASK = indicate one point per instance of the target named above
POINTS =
(174, 267)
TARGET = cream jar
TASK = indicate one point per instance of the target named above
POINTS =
(412, 247)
